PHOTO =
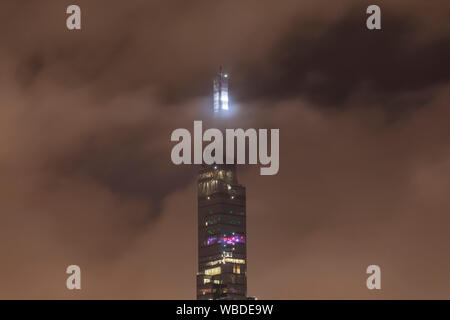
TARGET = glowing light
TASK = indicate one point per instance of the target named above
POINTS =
(224, 100)
(211, 240)
(226, 240)
(213, 271)
(224, 97)
(221, 101)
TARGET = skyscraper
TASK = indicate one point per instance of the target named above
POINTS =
(222, 251)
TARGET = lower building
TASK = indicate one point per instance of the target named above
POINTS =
(222, 251)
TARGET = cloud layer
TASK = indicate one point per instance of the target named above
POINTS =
(85, 152)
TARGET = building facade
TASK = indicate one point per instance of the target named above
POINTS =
(222, 251)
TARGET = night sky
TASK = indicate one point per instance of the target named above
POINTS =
(85, 124)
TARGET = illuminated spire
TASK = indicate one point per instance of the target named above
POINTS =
(221, 102)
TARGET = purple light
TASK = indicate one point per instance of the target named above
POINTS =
(226, 240)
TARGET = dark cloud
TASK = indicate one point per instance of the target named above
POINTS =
(347, 59)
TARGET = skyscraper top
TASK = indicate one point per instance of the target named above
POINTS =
(221, 98)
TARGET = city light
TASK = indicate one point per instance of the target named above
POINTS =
(225, 240)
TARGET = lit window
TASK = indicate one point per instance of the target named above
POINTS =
(231, 260)
(213, 271)
(206, 280)
(213, 263)
(205, 291)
